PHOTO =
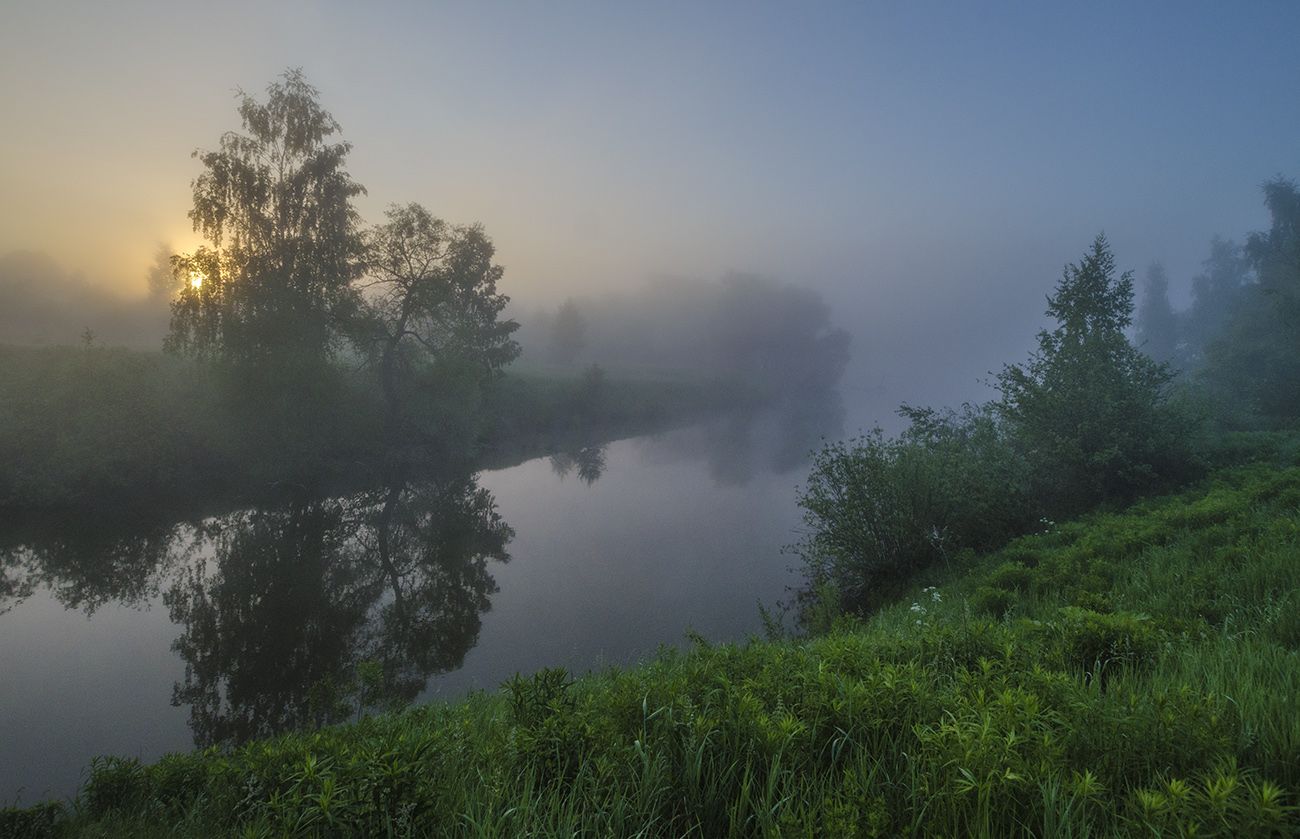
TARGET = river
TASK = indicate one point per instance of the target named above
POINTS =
(140, 642)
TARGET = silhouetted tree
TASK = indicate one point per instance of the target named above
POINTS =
(275, 205)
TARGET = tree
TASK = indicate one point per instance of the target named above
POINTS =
(1255, 363)
(275, 205)
(431, 305)
(568, 333)
(1217, 293)
(1157, 324)
(1089, 411)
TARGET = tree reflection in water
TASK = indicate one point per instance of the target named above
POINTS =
(588, 461)
(307, 613)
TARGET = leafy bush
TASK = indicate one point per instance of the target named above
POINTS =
(881, 509)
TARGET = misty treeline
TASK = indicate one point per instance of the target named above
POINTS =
(776, 337)
(1092, 419)
(1239, 339)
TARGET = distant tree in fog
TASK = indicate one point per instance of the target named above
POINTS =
(1255, 363)
(1157, 324)
(568, 333)
(777, 336)
(1217, 292)
(163, 283)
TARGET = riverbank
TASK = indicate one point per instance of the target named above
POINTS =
(142, 432)
(1130, 673)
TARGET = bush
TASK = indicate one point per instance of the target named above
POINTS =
(879, 510)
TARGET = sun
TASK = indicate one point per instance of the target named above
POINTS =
(196, 280)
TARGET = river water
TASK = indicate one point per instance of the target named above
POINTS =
(139, 641)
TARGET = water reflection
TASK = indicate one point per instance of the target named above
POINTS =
(306, 614)
(294, 614)
(317, 607)
(587, 461)
(102, 559)
(744, 444)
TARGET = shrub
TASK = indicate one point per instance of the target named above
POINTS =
(881, 509)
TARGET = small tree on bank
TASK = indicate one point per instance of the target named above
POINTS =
(1089, 411)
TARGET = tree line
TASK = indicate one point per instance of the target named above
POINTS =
(1239, 340)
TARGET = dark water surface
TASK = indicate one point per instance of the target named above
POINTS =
(136, 643)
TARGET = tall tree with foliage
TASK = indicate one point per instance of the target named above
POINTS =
(1090, 411)
(275, 206)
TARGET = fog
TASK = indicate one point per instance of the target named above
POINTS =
(926, 170)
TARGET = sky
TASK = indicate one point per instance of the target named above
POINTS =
(928, 166)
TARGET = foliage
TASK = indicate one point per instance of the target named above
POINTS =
(430, 321)
(1089, 411)
(37, 822)
(152, 434)
(275, 205)
(1255, 363)
(878, 510)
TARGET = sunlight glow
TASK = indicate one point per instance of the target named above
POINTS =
(196, 279)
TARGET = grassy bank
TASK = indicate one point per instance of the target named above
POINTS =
(95, 427)
(1133, 673)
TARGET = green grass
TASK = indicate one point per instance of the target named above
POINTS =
(1130, 674)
